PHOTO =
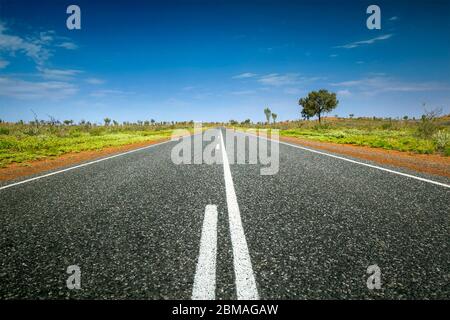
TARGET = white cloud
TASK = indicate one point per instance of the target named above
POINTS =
(333, 55)
(58, 74)
(244, 75)
(34, 48)
(68, 45)
(37, 46)
(95, 81)
(363, 42)
(3, 64)
(349, 83)
(21, 89)
(107, 92)
(294, 91)
(275, 79)
(344, 93)
(393, 18)
(381, 84)
(288, 79)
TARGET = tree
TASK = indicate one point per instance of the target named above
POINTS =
(107, 121)
(427, 126)
(268, 113)
(351, 115)
(68, 122)
(152, 121)
(274, 117)
(318, 103)
(305, 116)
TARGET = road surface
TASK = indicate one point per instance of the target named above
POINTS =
(140, 227)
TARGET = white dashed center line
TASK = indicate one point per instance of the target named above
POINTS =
(205, 274)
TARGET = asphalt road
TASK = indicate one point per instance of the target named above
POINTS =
(137, 226)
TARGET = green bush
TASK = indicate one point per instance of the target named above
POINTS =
(442, 139)
(96, 132)
(4, 131)
(426, 128)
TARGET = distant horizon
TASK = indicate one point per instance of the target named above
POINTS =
(216, 61)
(168, 122)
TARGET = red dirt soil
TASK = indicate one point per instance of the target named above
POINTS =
(17, 170)
(425, 163)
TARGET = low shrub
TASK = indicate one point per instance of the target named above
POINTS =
(442, 139)
(4, 131)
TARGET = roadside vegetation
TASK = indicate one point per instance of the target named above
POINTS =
(22, 142)
(38, 139)
(429, 134)
(425, 135)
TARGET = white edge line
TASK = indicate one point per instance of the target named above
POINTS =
(81, 165)
(245, 279)
(354, 161)
(205, 273)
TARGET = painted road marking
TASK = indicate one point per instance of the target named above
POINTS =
(205, 274)
(81, 165)
(354, 161)
(245, 280)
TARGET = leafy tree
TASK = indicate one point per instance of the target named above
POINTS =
(107, 121)
(152, 121)
(305, 115)
(351, 115)
(318, 102)
(68, 122)
(268, 113)
(274, 117)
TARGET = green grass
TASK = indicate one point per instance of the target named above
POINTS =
(21, 145)
(417, 136)
(403, 140)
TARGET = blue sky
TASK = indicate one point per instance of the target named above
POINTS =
(220, 60)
